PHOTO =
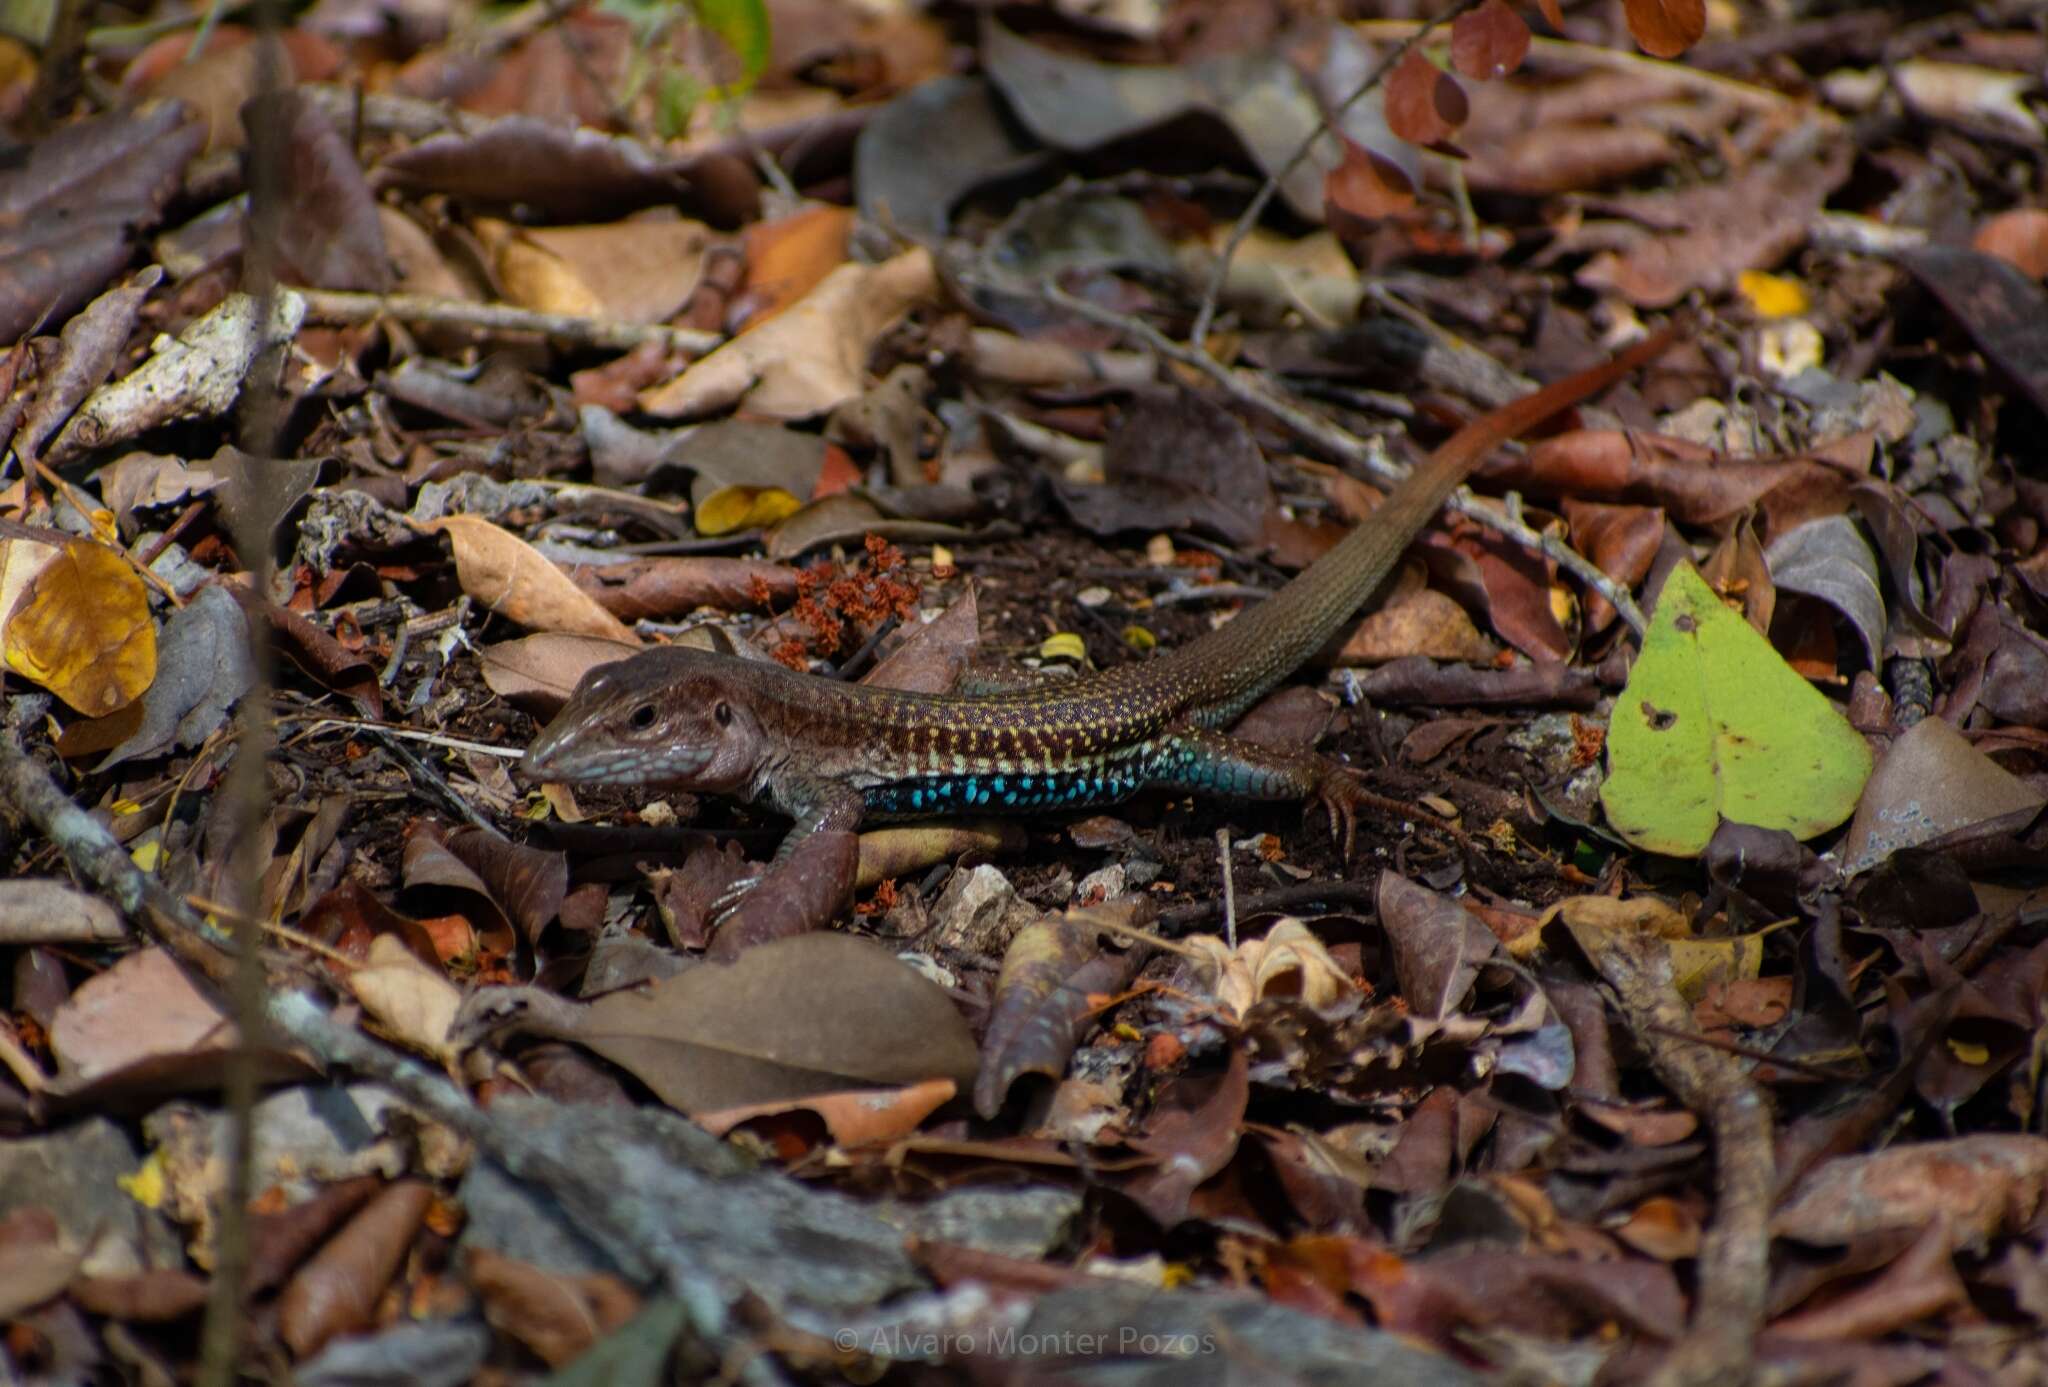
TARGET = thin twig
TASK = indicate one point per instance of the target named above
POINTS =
(1249, 218)
(1229, 889)
(339, 306)
(1348, 447)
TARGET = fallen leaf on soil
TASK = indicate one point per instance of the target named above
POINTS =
(337, 1292)
(511, 577)
(1982, 1185)
(1713, 724)
(791, 1018)
(810, 358)
(415, 1003)
(82, 630)
(1045, 1001)
(556, 1315)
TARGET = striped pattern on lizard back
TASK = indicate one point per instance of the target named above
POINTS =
(921, 754)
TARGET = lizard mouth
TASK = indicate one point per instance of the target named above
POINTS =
(561, 758)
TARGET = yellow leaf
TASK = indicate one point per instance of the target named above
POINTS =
(1063, 645)
(1139, 639)
(733, 508)
(147, 855)
(1969, 1052)
(147, 1186)
(1773, 296)
(83, 630)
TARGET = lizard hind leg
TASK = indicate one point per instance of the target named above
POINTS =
(1213, 763)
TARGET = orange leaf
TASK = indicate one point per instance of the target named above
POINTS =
(1666, 28)
(2019, 236)
(1552, 15)
(1491, 41)
(787, 258)
(1366, 186)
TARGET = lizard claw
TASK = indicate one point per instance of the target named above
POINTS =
(1339, 793)
(728, 900)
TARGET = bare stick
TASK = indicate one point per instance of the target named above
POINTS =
(339, 306)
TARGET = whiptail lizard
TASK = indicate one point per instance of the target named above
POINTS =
(832, 755)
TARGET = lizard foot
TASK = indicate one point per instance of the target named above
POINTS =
(1339, 792)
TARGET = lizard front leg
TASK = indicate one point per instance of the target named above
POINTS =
(812, 803)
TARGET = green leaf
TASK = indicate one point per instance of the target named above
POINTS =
(676, 97)
(1714, 724)
(742, 25)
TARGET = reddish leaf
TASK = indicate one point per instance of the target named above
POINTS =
(1489, 42)
(1365, 186)
(1424, 103)
(1666, 28)
(1552, 15)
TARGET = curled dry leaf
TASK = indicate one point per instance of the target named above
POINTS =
(1288, 962)
(337, 1292)
(417, 1004)
(512, 578)
(1045, 1001)
(811, 357)
(905, 850)
(82, 630)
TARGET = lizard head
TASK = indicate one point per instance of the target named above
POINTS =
(671, 717)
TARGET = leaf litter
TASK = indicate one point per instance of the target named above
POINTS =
(609, 328)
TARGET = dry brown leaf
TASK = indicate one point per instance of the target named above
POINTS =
(555, 1315)
(513, 579)
(142, 1009)
(415, 1003)
(787, 1019)
(337, 1292)
(809, 359)
(641, 270)
(1489, 42)
(1982, 1185)
(2019, 237)
(31, 1273)
(1421, 622)
(1425, 105)
(82, 630)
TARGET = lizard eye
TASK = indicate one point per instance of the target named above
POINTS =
(723, 712)
(643, 717)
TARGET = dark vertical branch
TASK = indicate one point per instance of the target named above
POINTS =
(246, 798)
